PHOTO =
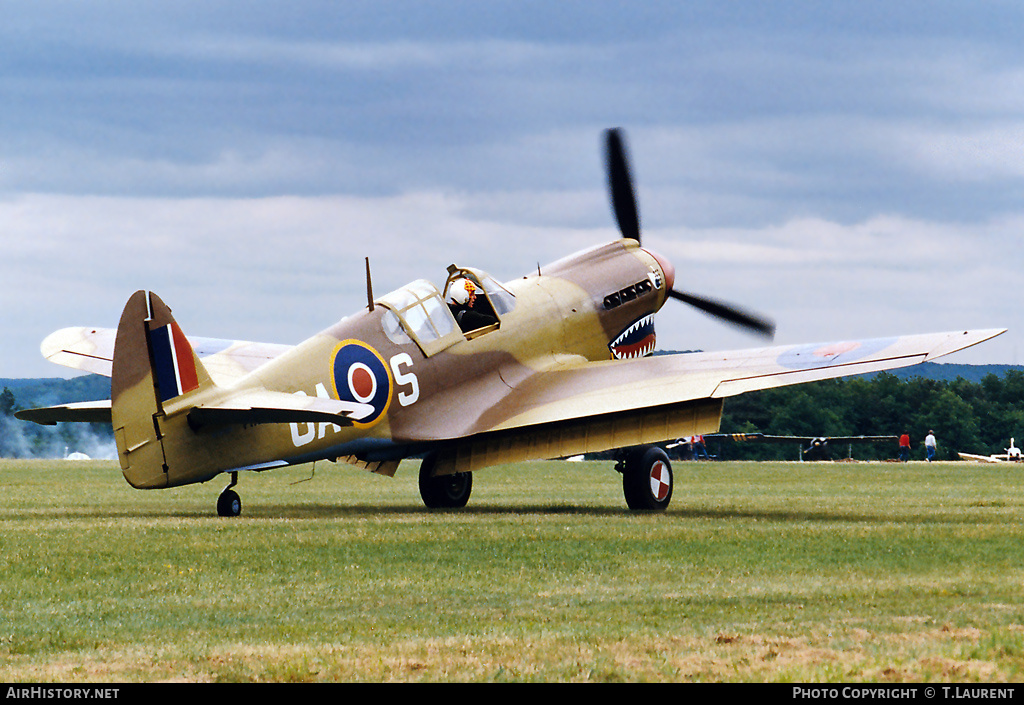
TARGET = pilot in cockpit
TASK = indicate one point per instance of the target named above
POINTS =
(469, 310)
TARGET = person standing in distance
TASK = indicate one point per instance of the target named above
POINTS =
(904, 447)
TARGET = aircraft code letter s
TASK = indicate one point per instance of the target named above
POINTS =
(405, 398)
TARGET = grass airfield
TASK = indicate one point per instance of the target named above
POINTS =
(805, 572)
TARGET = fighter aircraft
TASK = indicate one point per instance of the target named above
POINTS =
(817, 446)
(467, 375)
(1012, 455)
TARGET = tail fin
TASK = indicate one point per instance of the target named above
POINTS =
(154, 375)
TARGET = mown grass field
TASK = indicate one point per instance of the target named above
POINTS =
(804, 572)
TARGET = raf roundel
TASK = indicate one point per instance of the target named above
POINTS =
(360, 375)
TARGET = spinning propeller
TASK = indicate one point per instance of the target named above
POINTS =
(624, 205)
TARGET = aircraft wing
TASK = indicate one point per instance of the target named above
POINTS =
(92, 350)
(615, 386)
(982, 458)
(581, 407)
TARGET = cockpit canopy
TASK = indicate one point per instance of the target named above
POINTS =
(418, 313)
(500, 299)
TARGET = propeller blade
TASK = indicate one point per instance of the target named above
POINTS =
(621, 185)
(728, 312)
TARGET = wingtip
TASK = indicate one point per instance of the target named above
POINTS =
(961, 341)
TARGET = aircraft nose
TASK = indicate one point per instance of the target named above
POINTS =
(667, 270)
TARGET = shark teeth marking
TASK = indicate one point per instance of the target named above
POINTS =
(637, 340)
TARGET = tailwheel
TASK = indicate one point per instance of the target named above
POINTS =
(229, 504)
(647, 479)
(443, 491)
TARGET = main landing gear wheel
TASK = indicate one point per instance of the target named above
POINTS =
(229, 504)
(444, 491)
(647, 479)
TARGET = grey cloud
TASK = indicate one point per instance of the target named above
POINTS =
(786, 156)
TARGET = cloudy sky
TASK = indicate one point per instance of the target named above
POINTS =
(851, 169)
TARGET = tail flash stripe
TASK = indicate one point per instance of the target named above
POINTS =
(186, 362)
(173, 363)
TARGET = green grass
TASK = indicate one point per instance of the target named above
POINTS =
(758, 572)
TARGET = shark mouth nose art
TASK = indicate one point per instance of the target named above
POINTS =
(637, 340)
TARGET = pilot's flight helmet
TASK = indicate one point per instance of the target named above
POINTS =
(460, 291)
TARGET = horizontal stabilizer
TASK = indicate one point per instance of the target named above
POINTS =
(246, 408)
(262, 407)
(80, 412)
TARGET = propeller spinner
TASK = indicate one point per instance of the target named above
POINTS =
(620, 185)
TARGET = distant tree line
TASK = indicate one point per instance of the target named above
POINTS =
(973, 417)
(23, 439)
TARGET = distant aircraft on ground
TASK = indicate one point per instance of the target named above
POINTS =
(1012, 455)
(817, 446)
(472, 374)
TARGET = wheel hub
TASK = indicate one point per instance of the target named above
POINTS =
(661, 481)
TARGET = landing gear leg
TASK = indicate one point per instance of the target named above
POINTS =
(646, 478)
(229, 504)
